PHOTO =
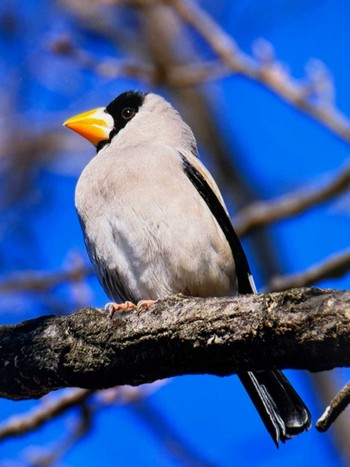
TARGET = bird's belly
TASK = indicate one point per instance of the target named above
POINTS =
(151, 260)
(163, 277)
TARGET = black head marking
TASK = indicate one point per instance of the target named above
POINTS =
(124, 107)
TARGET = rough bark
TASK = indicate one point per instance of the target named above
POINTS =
(302, 328)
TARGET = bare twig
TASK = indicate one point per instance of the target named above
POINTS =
(335, 408)
(81, 428)
(265, 212)
(136, 397)
(177, 75)
(335, 266)
(65, 46)
(52, 407)
(310, 96)
(47, 410)
(325, 387)
(269, 73)
(33, 281)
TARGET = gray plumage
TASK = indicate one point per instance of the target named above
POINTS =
(155, 224)
(147, 231)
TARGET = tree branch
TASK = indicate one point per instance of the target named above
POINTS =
(302, 328)
(314, 96)
(180, 75)
(38, 281)
(335, 408)
(21, 424)
(261, 213)
(46, 456)
(51, 407)
(334, 266)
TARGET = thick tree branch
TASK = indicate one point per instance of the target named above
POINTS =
(302, 328)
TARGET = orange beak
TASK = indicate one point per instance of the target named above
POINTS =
(94, 125)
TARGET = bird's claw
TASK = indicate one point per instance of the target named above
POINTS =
(112, 307)
(145, 303)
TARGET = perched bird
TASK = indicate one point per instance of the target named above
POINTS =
(155, 224)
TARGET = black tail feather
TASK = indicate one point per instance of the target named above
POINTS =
(281, 409)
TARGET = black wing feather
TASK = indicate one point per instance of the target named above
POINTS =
(218, 211)
(279, 406)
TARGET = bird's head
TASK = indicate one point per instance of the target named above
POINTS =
(100, 125)
(145, 118)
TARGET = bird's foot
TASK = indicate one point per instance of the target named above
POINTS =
(145, 303)
(112, 307)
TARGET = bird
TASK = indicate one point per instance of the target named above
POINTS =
(155, 224)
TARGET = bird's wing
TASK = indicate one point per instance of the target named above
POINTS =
(283, 412)
(208, 190)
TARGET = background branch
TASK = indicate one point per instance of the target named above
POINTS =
(335, 266)
(36, 281)
(261, 213)
(21, 424)
(302, 328)
(313, 96)
(335, 408)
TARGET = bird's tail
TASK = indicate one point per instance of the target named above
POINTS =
(280, 407)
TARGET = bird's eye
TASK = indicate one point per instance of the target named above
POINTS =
(127, 113)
